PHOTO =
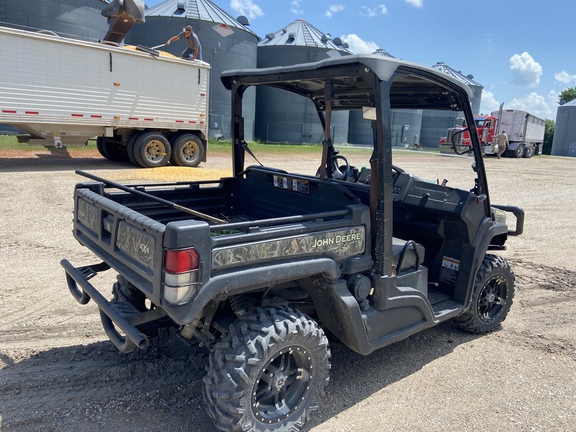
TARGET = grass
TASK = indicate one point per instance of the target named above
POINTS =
(10, 142)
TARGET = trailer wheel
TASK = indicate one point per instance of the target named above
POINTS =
(151, 150)
(519, 152)
(130, 148)
(528, 152)
(187, 150)
(268, 372)
(112, 150)
(491, 298)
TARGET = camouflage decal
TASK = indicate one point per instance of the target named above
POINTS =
(339, 243)
(137, 244)
(290, 183)
(88, 215)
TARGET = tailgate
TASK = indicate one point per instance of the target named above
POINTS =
(128, 241)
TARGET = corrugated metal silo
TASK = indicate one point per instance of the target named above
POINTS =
(227, 43)
(564, 142)
(406, 124)
(79, 19)
(282, 117)
(435, 124)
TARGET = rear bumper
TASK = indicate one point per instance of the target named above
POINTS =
(82, 290)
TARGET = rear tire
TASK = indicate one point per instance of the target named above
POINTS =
(187, 150)
(268, 372)
(518, 153)
(491, 299)
(152, 150)
(112, 150)
(528, 152)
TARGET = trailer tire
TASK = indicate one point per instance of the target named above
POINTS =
(492, 297)
(112, 150)
(187, 150)
(268, 372)
(518, 152)
(152, 150)
(528, 152)
(130, 149)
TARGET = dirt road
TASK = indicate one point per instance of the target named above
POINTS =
(60, 373)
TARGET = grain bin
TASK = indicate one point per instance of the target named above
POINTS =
(564, 142)
(286, 118)
(78, 19)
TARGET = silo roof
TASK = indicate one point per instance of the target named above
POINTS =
(569, 104)
(202, 10)
(441, 66)
(383, 53)
(302, 33)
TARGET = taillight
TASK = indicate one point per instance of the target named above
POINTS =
(180, 261)
(180, 275)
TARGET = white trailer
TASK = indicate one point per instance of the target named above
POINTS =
(140, 104)
(525, 132)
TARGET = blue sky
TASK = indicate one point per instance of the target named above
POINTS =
(521, 51)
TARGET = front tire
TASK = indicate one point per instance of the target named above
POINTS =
(268, 372)
(491, 298)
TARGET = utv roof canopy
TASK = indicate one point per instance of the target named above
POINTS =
(355, 79)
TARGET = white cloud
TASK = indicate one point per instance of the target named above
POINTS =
(247, 8)
(334, 9)
(565, 78)
(415, 3)
(295, 7)
(359, 46)
(488, 103)
(525, 70)
(538, 105)
(372, 12)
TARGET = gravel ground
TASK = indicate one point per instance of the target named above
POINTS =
(60, 373)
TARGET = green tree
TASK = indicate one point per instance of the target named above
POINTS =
(567, 95)
(548, 137)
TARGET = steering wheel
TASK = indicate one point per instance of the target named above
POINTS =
(340, 172)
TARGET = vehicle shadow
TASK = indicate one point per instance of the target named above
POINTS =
(354, 378)
(94, 387)
(47, 162)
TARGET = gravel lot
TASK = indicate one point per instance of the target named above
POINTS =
(60, 373)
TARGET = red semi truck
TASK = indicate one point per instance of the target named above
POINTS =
(525, 133)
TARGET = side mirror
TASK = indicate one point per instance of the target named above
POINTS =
(460, 140)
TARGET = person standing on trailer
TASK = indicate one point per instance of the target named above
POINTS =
(194, 49)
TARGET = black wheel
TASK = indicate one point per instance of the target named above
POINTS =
(491, 298)
(151, 150)
(101, 148)
(528, 152)
(130, 149)
(112, 150)
(268, 372)
(519, 152)
(187, 150)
